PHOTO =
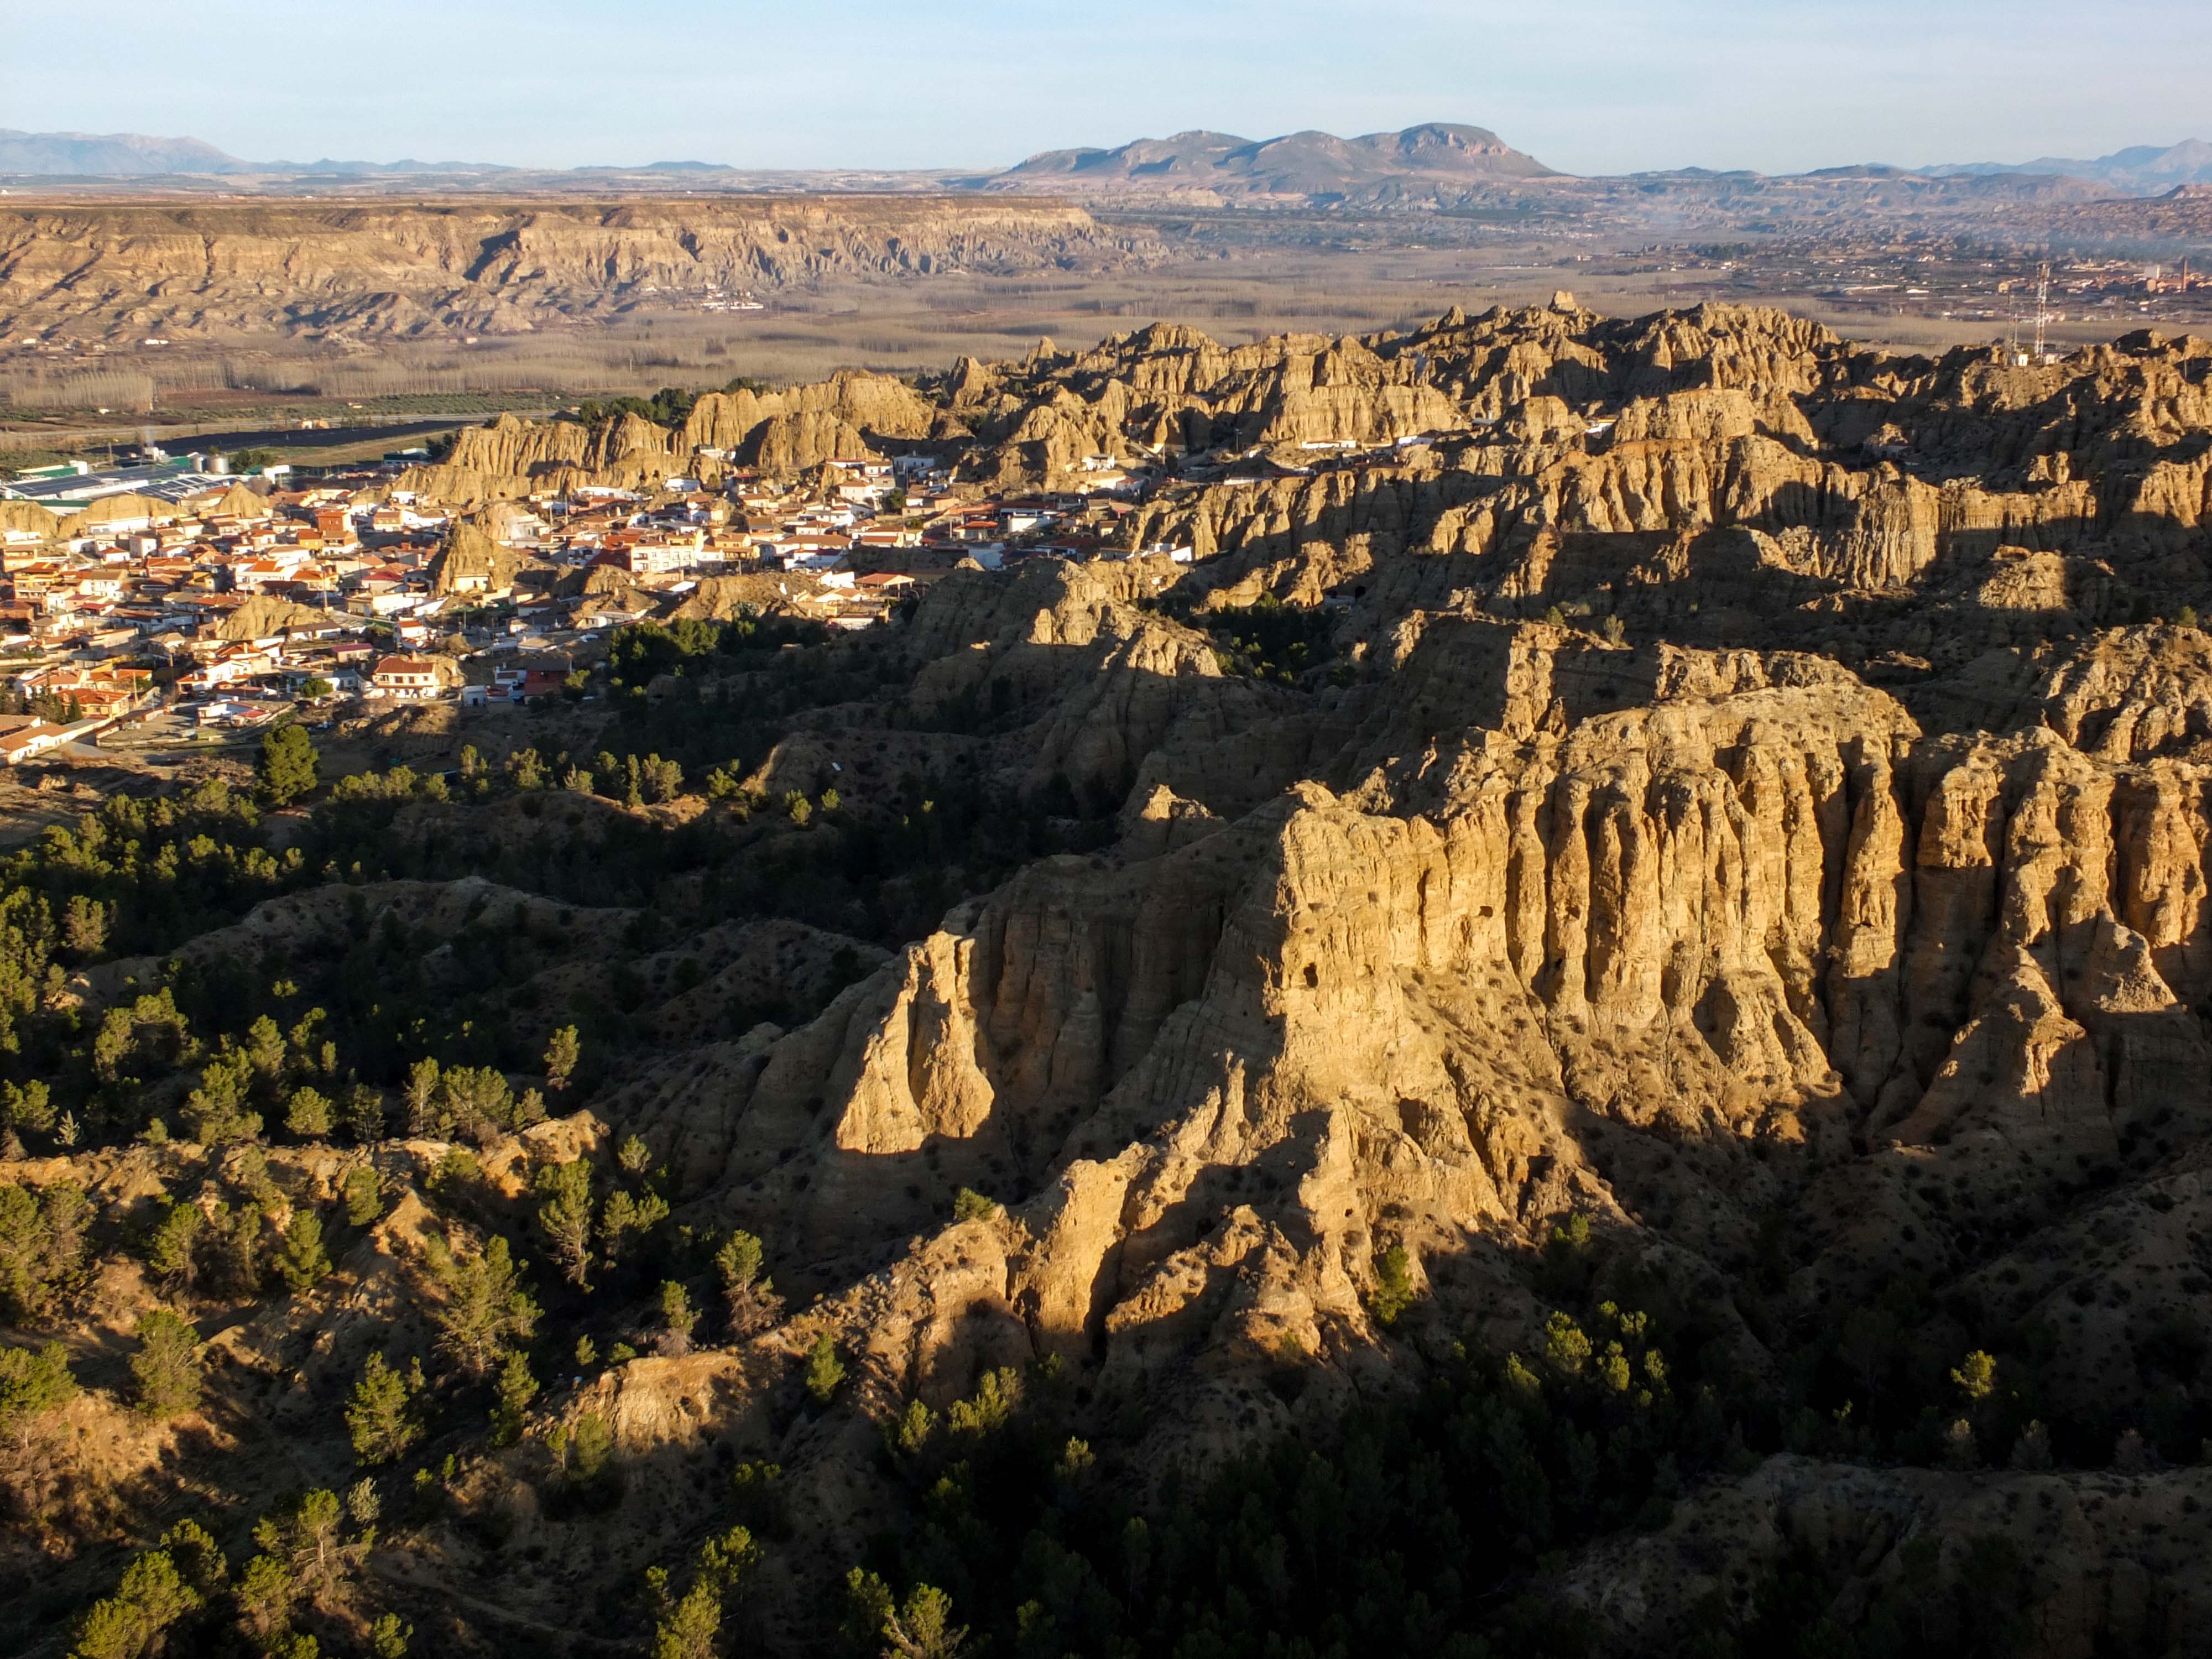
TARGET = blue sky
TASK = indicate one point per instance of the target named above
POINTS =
(1600, 86)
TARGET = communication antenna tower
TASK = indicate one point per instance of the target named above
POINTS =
(2042, 306)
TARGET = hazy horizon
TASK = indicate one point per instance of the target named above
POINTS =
(433, 163)
(1619, 88)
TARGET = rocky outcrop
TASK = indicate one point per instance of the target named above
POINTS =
(29, 517)
(129, 509)
(511, 447)
(784, 444)
(1666, 936)
(471, 561)
(262, 617)
(2135, 694)
(780, 433)
(874, 404)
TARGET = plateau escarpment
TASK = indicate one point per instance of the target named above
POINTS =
(356, 273)
(1664, 861)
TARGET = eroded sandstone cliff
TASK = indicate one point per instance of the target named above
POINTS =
(1887, 937)
(1688, 803)
(486, 269)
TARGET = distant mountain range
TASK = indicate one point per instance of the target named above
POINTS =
(1429, 163)
(2142, 169)
(133, 155)
(1298, 164)
(114, 155)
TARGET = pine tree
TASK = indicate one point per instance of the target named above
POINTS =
(561, 1054)
(739, 1258)
(33, 1381)
(585, 1456)
(264, 1600)
(915, 1424)
(748, 1294)
(517, 1388)
(379, 1417)
(301, 1258)
(198, 1556)
(423, 1120)
(172, 1248)
(286, 766)
(824, 1370)
(565, 1216)
(308, 1115)
(84, 927)
(1394, 1285)
(362, 1505)
(364, 1114)
(364, 1195)
(151, 1597)
(484, 1310)
(235, 1243)
(476, 1101)
(216, 1112)
(457, 1170)
(689, 1628)
(998, 1397)
(41, 1243)
(624, 1216)
(166, 1366)
(26, 1106)
(678, 1319)
(969, 1204)
(1976, 1377)
(308, 1543)
(923, 1628)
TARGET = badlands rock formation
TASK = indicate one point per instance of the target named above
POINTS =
(1742, 801)
(1757, 790)
(1853, 891)
(779, 432)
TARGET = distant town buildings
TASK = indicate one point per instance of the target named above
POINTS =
(168, 581)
